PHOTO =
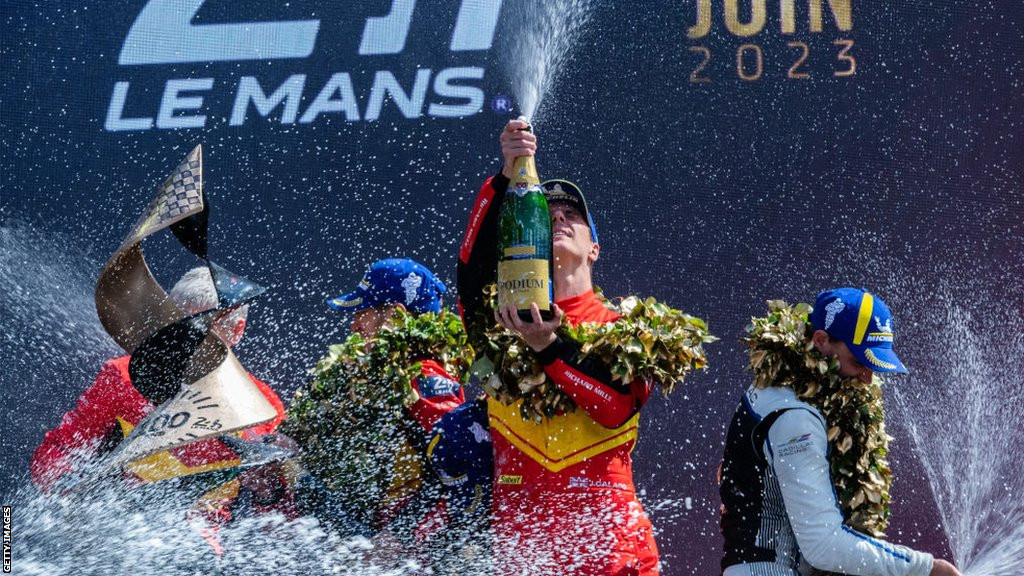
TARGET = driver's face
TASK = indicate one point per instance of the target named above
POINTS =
(570, 232)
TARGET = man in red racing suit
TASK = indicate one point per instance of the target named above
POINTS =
(111, 408)
(564, 501)
(107, 411)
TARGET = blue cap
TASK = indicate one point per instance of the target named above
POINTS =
(394, 281)
(565, 191)
(863, 322)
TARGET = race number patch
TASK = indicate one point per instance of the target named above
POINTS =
(431, 386)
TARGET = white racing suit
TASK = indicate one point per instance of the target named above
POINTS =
(780, 515)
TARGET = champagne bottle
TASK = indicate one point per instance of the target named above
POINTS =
(524, 243)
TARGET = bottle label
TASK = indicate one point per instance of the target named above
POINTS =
(522, 282)
(520, 251)
(524, 187)
(526, 179)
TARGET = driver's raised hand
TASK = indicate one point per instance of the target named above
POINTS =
(515, 142)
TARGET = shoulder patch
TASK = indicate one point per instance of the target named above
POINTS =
(795, 445)
(434, 385)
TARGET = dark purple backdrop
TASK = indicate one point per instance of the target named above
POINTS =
(904, 177)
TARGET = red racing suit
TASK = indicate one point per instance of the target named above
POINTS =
(403, 504)
(437, 394)
(108, 411)
(564, 501)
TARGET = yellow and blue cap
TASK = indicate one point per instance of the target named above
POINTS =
(394, 281)
(863, 322)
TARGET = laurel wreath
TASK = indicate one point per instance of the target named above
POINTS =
(781, 354)
(348, 419)
(651, 342)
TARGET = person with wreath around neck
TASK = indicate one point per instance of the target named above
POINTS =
(409, 507)
(395, 284)
(804, 479)
(564, 500)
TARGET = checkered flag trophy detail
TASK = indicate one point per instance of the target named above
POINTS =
(180, 195)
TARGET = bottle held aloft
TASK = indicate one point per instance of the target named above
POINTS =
(524, 243)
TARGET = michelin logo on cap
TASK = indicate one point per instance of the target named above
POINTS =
(411, 283)
(834, 307)
(883, 332)
(862, 322)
